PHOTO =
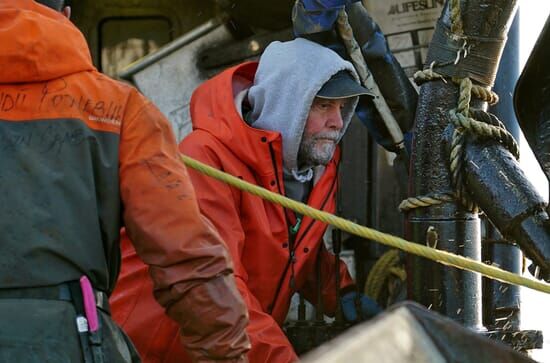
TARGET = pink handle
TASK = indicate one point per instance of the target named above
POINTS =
(89, 303)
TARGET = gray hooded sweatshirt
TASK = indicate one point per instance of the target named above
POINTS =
(289, 76)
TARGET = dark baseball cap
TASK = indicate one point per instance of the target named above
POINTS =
(342, 85)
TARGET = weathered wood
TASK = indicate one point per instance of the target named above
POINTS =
(409, 333)
(395, 338)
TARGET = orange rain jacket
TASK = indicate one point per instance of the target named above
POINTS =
(255, 230)
(82, 155)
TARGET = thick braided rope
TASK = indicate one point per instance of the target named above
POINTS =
(425, 201)
(432, 199)
(464, 95)
(457, 150)
(433, 254)
(399, 272)
(491, 127)
(427, 75)
(505, 137)
(456, 162)
(464, 123)
(480, 92)
(483, 129)
(484, 94)
(379, 274)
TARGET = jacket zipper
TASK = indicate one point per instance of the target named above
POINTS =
(293, 231)
(291, 237)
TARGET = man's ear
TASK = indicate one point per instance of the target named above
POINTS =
(67, 12)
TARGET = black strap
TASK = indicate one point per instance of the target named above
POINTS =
(61, 292)
(78, 300)
(71, 292)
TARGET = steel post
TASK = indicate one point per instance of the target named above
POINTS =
(502, 303)
(448, 226)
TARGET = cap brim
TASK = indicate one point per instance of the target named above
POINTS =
(343, 87)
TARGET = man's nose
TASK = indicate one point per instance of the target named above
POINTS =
(335, 121)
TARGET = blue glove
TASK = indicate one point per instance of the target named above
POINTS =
(369, 307)
(315, 16)
(320, 5)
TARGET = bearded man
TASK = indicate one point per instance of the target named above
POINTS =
(277, 124)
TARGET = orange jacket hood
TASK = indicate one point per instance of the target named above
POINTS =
(213, 110)
(38, 44)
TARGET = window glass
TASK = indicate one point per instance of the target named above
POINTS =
(123, 41)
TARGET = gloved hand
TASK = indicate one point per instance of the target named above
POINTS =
(369, 307)
(315, 16)
(315, 20)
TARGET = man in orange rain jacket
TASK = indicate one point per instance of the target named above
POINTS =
(276, 125)
(82, 155)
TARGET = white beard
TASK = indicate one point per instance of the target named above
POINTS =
(317, 149)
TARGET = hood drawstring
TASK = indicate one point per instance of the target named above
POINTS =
(302, 177)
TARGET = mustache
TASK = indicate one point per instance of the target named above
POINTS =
(329, 135)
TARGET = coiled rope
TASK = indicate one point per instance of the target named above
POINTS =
(387, 265)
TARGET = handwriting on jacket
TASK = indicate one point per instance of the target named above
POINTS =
(9, 100)
(55, 95)
(49, 139)
(166, 178)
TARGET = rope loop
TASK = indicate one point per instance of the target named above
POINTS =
(497, 131)
(465, 122)
(489, 128)
(380, 273)
(426, 201)
(465, 95)
(479, 92)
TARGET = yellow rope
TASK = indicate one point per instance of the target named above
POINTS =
(440, 256)
(399, 272)
(379, 274)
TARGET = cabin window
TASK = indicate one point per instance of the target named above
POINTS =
(122, 41)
